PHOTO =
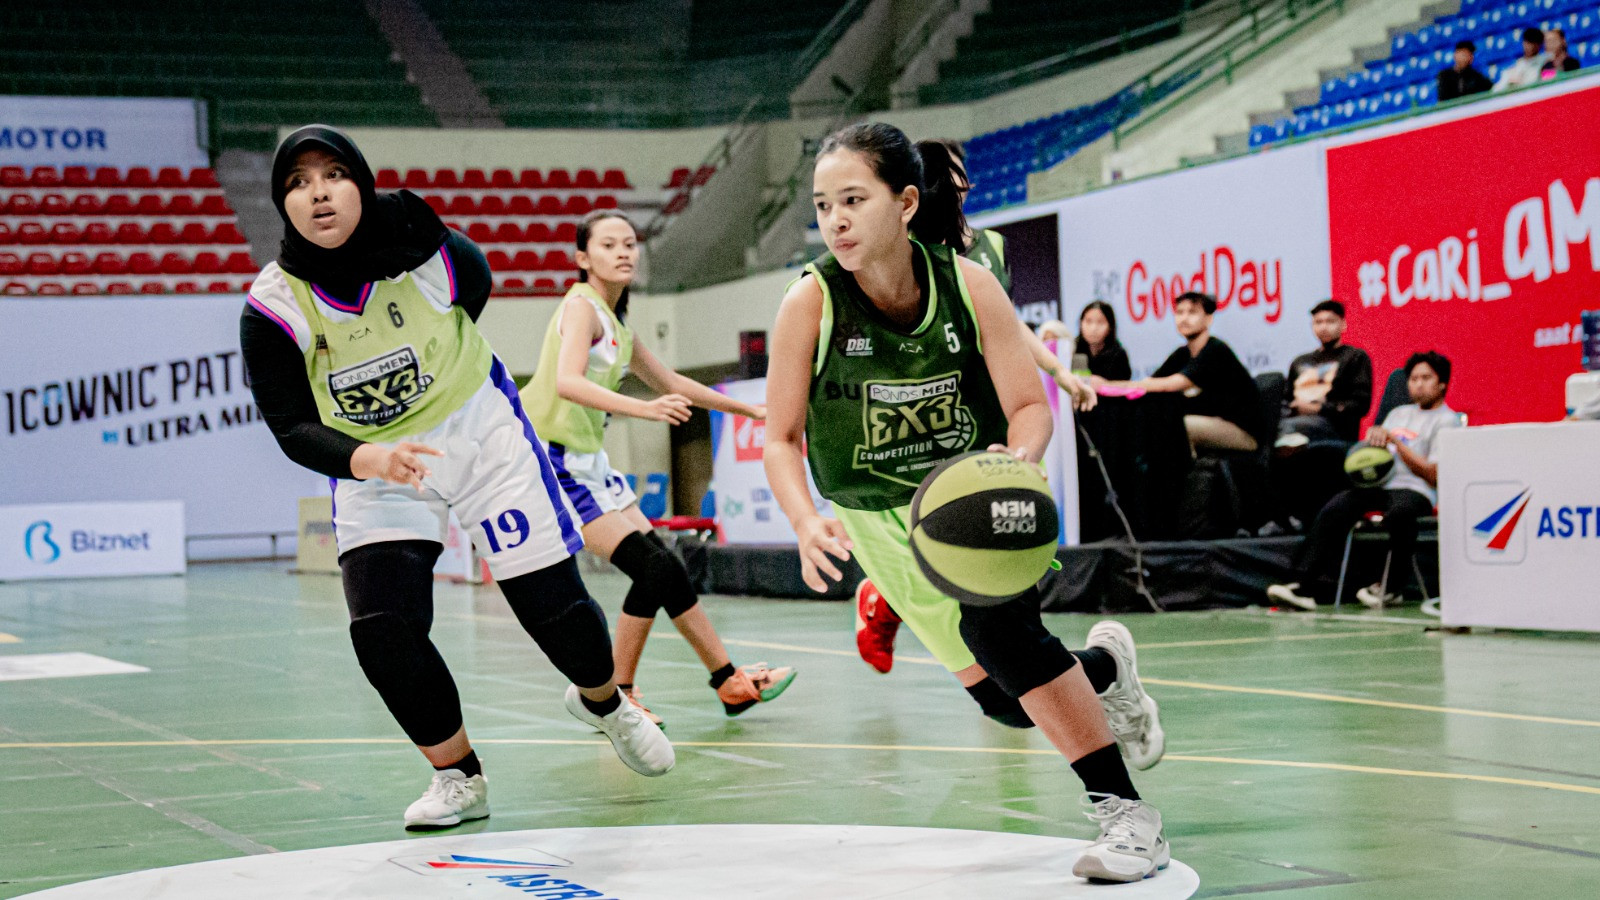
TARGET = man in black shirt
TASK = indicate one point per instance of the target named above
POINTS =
(1330, 387)
(1222, 408)
(1462, 79)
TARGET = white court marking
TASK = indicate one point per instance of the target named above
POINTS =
(26, 666)
(663, 862)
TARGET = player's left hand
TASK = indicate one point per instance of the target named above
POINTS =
(1013, 452)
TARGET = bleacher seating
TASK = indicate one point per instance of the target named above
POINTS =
(78, 232)
(1408, 78)
(998, 162)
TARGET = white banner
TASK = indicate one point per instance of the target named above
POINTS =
(91, 540)
(102, 131)
(746, 511)
(1252, 231)
(123, 399)
(1519, 526)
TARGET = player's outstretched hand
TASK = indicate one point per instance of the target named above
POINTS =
(672, 409)
(819, 538)
(400, 464)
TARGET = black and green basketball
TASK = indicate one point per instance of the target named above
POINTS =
(983, 527)
(1369, 466)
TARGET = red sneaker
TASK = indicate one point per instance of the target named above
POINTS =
(876, 625)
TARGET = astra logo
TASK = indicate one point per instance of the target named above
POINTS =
(38, 545)
(508, 861)
(1494, 510)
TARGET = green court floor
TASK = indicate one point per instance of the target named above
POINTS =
(1350, 757)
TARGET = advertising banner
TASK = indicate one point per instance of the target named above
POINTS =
(746, 511)
(123, 399)
(1478, 237)
(91, 540)
(102, 131)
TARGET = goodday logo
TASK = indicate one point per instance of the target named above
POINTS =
(38, 544)
(1494, 514)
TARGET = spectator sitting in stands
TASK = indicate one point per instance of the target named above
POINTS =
(1411, 433)
(1332, 385)
(1223, 406)
(1525, 70)
(1555, 47)
(1097, 340)
(1462, 79)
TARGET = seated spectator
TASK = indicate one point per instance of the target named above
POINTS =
(1222, 406)
(1332, 385)
(1411, 433)
(1097, 340)
(1555, 47)
(1462, 79)
(1525, 70)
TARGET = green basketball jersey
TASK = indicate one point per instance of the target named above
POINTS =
(573, 425)
(989, 250)
(888, 404)
(394, 363)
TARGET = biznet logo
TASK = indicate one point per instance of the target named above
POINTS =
(749, 439)
(1244, 283)
(1494, 512)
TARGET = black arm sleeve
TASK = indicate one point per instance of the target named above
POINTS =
(473, 280)
(276, 372)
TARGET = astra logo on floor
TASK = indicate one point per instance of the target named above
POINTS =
(1494, 510)
(523, 869)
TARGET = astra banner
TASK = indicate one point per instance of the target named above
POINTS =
(1478, 237)
(134, 399)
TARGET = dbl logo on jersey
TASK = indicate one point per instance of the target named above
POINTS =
(1495, 534)
(379, 390)
(749, 439)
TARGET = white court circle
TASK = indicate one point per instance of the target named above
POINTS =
(659, 862)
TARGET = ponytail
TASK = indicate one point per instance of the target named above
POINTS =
(939, 218)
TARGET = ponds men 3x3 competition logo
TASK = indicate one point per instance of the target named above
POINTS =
(912, 425)
(379, 390)
(1494, 516)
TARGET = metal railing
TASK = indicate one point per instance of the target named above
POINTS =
(917, 36)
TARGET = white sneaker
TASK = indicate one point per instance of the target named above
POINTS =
(451, 799)
(639, 743)
(1373, 597)
(1131, 846)
(1132, 714)
(1290, 594)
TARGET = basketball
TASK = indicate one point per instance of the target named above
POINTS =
(983, 527)
(1368, 466)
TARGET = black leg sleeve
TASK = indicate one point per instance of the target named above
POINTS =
(557, 612)
(659, 578)
(1013, 646)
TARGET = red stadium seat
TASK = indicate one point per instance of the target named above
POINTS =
(461, 205)
(219, 287)
(227, 233)
(171, 177)
(203, 178)
(138, 177)
(567, 283)
(6, 235)
(677, 204)
(539, 233)
(704, 175)
(586, 180)
(605, 201)
(492, 206)
(208, 263)
(15, 289)
(241, 264)
(86, 205)
(75, 263)
(162, 233)
(110, 264)
(65, 233)
(107, 177)
(480, 233)
(435, 202)
(13, 176)
(130, 233)
(508, 233)
(531, 179)
(176, 264)
(474, 179)
(182, 205)
(143, 264)
(43, 264)
(77, 176)
(98, 233)
(566, 233)
(50, 289)
(54, 205)
(417, 179)
(46, 176)
(544, 286)
(514, 286)
(499, 261)
(22, 205)
(152, 287)
(388, 180)
(445, 178)
(577, 205)
(521, 205)
(194, 233)
(119, 287)
(615, 180)
(558, 179)
(215, 205)
(680, 177)
(84, 288)
(558, 260)
(11, 264)
(549, 205)
(149, 205)
(504, 179)
(32, 233)
(118, 205)
(525, 261)
(186, 287)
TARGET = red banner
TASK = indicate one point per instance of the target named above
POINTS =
(1479, 238)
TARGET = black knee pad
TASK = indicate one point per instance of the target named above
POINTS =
(659, 578)
(1011, 643)
(555, 609)
(996, 705)
(409, 674)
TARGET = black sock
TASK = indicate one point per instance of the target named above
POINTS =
(604, 707)
(722, 674)
(1100, 667)
(625, 688)
(1104, 772)
(468, 765)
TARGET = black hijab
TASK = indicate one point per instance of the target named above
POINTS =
(397, 232)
